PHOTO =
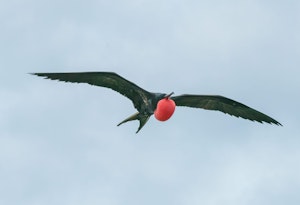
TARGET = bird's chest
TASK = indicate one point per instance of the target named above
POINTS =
(148, 107)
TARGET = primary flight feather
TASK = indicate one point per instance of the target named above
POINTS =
(160, 104)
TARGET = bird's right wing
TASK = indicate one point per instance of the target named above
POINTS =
(104, 79)
(223, 104)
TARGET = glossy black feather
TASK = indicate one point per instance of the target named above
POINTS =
(223, 104)
(145, 102)
(137, 95)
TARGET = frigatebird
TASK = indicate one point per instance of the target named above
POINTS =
(162, 105)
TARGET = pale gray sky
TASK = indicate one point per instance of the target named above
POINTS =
(59, 143)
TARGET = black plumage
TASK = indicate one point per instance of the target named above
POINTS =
(145, 102)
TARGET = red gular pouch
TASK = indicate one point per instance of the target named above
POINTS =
(164, 109)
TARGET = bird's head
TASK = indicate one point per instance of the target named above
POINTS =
(165, 108)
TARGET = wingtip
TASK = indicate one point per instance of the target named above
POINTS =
(37, 74)
(273, 123)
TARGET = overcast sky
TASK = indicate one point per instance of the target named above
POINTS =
(59, 143)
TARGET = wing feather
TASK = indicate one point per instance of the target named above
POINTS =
(223, 104)
(104, 79)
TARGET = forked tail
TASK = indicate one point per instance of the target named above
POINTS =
(137, 116)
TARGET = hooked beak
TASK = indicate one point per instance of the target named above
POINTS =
(169, 95)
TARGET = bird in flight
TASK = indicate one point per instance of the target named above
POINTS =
(162, 105)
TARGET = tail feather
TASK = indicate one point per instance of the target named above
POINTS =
(143, 120)
(137, 116)
(130, 118)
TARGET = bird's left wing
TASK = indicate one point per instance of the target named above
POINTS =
(223, 104)
(104, 79)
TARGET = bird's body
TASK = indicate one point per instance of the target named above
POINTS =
(160, 104)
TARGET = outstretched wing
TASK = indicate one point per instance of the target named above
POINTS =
(104, 79)
(223, 104)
